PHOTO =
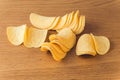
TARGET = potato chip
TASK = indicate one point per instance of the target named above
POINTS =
(55, 50)
(34, 37)
(57, 42)
(47, 46)
(16, 34)
(40, 21)
(70, 19)
(60, 53)
(61, 22)
(55, 23)
(85, 45)
(81, 25)
(102, 44)
(74, 23)
(67, 37)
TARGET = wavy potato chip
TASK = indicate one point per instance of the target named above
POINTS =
(34, 37)
(16, 34)
(57, 42)
(60, 53)
(55, 50)
(46, 47)
(40, 21)
(85, 45)
(102, 44)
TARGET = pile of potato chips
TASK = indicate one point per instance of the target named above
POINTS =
(67, 27)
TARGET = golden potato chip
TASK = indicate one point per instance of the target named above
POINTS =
(102, 44)
(52, 37)
(34, 37)
(74, 23)
(85, 45)
(61, 22)
(67, 37)
(16, 34)
(57, 42)
(40, 21)
(60, 53)
(55, 23)
(47, 46)
(81, 25)
(70, 19)
(44, 46)
(55, 50)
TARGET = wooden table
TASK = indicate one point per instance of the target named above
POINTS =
(21, 63)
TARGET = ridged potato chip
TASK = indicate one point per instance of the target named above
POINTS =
(40, 21)
(102, 44)
(34, 37)
(85, 45)
(16, 34)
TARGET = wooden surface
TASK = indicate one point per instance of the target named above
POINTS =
(20, 63)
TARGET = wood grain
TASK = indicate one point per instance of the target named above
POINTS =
(20, 63)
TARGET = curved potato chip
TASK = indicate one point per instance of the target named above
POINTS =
(60, 53)
(40, 21)
(81, 24)
(47, 46)
(61, 22)
(56, 39)
(102, 44)
(85, 45)
(16, 34)
(57, 42)
(55, 50)
(67, 37)
(68, 21)
(55, 23)
(74, 23)
(34, 37)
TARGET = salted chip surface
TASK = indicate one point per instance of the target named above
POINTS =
(85, 45)
(102, 44)
(34, 37)
(16, 34)
(40, 21)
